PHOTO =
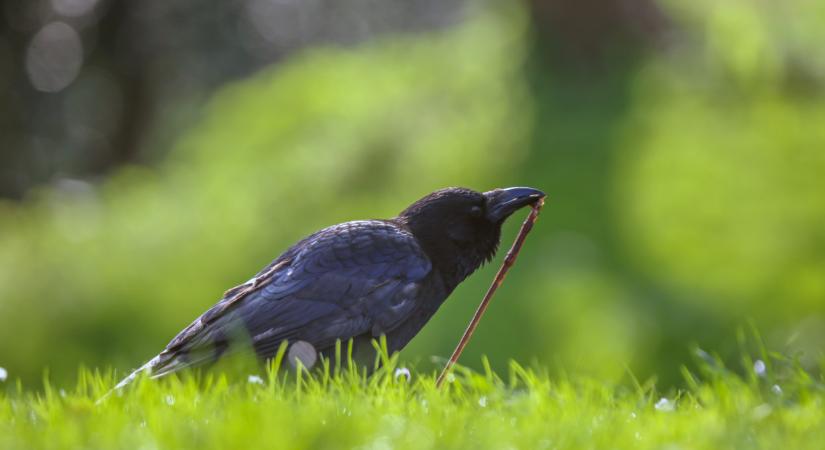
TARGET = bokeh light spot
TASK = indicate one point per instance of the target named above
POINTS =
(73, 8)
(54, 57)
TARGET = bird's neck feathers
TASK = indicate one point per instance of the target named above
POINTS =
(471, 257)
(456, 260)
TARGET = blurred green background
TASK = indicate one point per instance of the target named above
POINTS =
(154, 155)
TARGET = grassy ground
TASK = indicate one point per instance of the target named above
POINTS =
(773, 405)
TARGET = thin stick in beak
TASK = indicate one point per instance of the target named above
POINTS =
(508, 262)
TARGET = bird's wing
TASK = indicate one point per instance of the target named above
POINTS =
(344, 281)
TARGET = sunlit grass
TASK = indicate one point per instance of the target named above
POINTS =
(770, 404)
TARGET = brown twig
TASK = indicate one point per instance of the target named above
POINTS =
(508, 262)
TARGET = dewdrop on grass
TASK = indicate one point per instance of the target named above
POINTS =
(402, 372)
(759, 368)
(664, 405)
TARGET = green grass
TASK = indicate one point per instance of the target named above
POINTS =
(781, 406)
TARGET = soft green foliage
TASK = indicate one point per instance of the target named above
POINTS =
(685, 194)
(780, 407)
(736, 166)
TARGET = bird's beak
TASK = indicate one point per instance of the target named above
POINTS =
(503, 202)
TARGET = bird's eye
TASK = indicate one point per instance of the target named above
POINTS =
(475, 211)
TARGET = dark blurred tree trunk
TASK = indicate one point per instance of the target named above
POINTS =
(587, 35)
(585, 54)
(119, 47)
(585, 57)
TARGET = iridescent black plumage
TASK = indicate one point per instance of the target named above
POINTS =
(356, 280)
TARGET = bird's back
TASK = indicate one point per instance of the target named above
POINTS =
(356, 280)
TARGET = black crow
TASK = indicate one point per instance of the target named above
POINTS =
(356, 280)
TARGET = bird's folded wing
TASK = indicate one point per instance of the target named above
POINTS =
(342, 282)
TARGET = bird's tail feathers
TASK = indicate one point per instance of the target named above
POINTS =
(129, 379)
(161, 365)
(155, 368)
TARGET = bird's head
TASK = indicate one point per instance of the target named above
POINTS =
(460, 228)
